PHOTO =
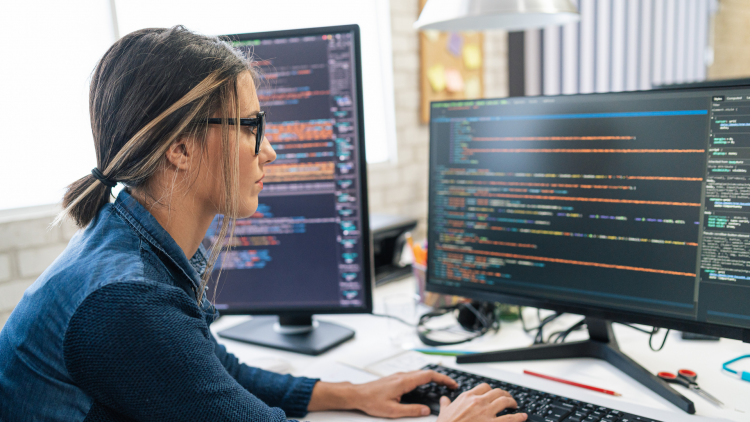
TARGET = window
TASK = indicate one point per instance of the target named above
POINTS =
(242, 16)
(49, 50)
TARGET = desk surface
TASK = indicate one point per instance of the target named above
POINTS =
(372, 339)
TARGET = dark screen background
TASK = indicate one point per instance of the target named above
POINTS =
(585, 199)
(302, 248)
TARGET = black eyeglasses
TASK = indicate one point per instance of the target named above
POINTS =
(259, 121)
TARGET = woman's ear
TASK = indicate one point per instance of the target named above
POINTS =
(181, 153)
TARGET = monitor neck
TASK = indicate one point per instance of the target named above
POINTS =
(295, 324)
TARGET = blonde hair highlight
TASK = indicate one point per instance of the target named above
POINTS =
(143, 153)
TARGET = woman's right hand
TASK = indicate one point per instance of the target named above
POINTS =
(480, 404)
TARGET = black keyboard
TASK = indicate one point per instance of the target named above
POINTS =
(540, 406)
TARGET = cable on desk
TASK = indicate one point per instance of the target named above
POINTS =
(523, 322)
(476, 318)
(539, 337)
(396, 318)
(656, 330)
(560, 336)
(637, 328)
(563, 334)
(651, 334)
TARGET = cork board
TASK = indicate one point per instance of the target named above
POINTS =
(451, 67)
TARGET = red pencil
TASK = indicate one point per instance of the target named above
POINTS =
(575, 384)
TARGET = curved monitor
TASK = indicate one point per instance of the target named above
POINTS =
(633, 207)
(307, 248)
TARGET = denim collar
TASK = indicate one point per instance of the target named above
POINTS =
(146, 225)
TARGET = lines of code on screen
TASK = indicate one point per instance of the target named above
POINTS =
(575, 199)
(301, 249)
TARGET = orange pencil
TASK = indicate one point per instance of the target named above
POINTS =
(575, 384)
(409, 240)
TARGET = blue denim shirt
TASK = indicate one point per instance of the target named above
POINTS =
(112, 330)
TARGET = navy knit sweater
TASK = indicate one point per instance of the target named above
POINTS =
(112, 331)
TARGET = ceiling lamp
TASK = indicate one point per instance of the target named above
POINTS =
(478, 15)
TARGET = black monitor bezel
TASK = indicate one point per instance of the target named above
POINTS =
(366, 239)
(601, 312)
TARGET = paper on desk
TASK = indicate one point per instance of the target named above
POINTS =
(402, 361)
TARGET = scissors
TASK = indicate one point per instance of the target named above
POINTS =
(686, 378)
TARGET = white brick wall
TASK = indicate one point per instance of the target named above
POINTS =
(5, 270)
(32, 262)
(402, 188)
(28, 245)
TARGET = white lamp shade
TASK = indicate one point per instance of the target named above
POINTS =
(478, 15)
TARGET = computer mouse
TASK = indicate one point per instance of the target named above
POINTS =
(272, 364)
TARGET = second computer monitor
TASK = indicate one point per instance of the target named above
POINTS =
(632, 206)
(306, 249)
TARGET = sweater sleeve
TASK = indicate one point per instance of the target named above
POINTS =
(292, 394)
(144, 350)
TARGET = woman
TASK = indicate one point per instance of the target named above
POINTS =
(117, 328)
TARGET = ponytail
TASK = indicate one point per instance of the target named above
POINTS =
(134, 124)
(84, 198)
(152, 87)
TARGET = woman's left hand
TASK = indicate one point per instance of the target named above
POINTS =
(380, 398)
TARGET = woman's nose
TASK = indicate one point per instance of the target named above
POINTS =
(267, 152)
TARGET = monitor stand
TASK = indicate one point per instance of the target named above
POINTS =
(601, 345)
(300, 334)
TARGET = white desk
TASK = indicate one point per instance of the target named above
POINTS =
(372, 338)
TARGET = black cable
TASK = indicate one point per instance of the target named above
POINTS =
(560, 336)
(487, 322)
(539, 337)
(553, 334)
(656, 330)
(523, 322)
(577, 326)
(651, 334)
(637, 328)
(396, 318)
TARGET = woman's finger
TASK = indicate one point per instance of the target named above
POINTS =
(445, 380)
(516, 417)
(409, 411)
(444, 402)
(495, 394)
(502, 403)
(505, 393)
(480, 389)
(417, 378)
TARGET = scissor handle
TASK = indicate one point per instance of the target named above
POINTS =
(672, 378)
(688, 375)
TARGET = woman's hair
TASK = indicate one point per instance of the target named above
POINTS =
(152, 87)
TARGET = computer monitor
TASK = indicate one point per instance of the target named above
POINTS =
(630, 207)
(306, 250)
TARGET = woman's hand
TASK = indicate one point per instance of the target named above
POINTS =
(380, 398)
(383, 397)
(481, 403)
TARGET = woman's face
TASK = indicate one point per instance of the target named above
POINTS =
(251, 166)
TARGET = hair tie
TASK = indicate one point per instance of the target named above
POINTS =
(100, 177)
